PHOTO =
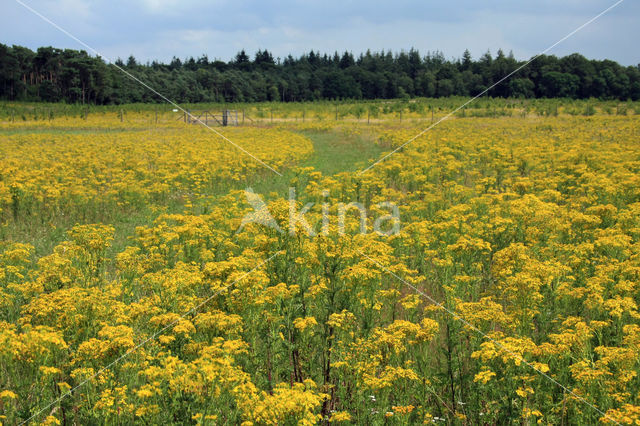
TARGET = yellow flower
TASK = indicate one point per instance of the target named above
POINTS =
(7, 394)
(340, 416)
(304, 323)
(484, 376)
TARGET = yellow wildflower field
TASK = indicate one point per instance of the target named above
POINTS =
(133, 290)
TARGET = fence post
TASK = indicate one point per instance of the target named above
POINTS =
(336, 112)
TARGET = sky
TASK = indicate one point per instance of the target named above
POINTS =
(160, 29)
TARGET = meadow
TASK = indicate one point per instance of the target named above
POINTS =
(129, 293)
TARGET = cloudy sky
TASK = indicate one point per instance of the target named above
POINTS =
(160, 29)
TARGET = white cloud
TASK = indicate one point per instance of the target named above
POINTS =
(77, 10)
(163, 6)
(160, 29)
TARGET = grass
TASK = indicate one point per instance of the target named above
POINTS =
(334, 152)
(319, 110)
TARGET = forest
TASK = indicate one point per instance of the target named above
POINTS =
(65, 75)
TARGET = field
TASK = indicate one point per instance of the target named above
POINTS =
(133, 289)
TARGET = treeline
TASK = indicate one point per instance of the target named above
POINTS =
(54, 75)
